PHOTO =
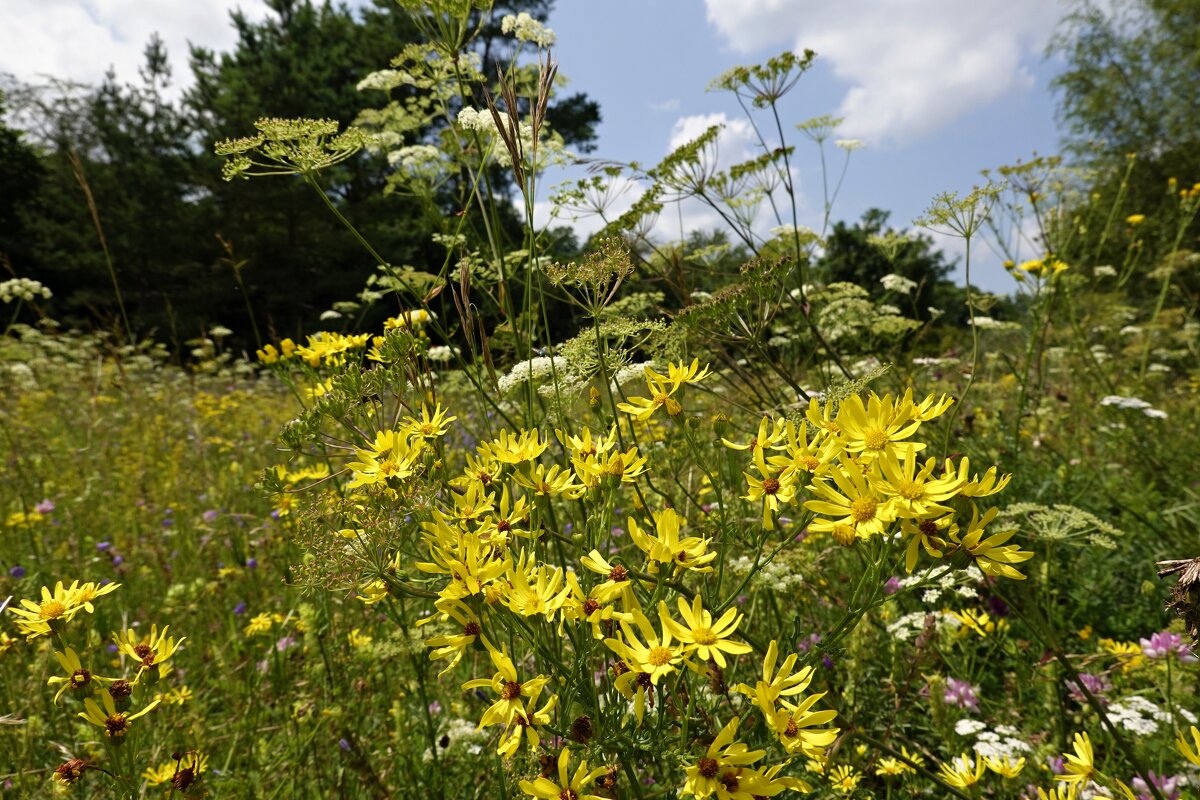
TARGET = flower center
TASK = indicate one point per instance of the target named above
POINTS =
(471, 629)
(590, 606)
(704, 636)
(770, 486)
(792, 729)
(80, 677)
(910, 490)
(875, 439)
(618, 574)
(708, 767)
(863, 509)
(511, 690)
(52, 609)
(660, 656)
(116, 725)
(810, 463)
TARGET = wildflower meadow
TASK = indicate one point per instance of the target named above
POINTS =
(635, 519)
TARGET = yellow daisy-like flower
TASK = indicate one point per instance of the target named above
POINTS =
(149, 651)
(661, 388)
(1058, 793)
(650, 654)
(511, 448)
(667, 547)
(186, 771)
(534, 588)
(571, 787)
(56, 608)
(723, 764)
(844, 779)
(915, 494)
(963, 772)
(550, 481)
(776, 684)
(1190, 752)
(992, 555)
(849, 501)
(105, 715)
(879, 425)
(700, 635)
(1080, 765)
(429, 426)
(772, 490)
(392, 456)
(453, 645)
(525, 728)
(78, 678)
(890, 766)
(770, 435)
(1004, 766)
(798, 726)
(504, 684)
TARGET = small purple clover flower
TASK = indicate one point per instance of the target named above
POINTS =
(892, 586)
(961, 694)
(1164, 644)
(1096, 685)
(44, 507)
(210, 515)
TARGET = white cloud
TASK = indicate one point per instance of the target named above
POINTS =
(912, 67)
(81, 39)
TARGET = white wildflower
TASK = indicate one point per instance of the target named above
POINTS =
(898, 283)
(527, 29)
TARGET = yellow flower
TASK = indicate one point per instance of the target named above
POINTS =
(776, 684)
(1192, 752)
(358, 640)
(513, 449)
(115, 723)
(78, 678)
(771, 437)
(1133, 220)
(772, 490)
(661, 388)
(723, 763)
(844, 779)
(534, 588)
(652, 655)
(525, 728)
(700, 635)
(797, 726)
(891, 767)
(1058, 793)
(666, 546)
(992, 555)
(453, 645)
(878, 425)
(189, 767)
(1080, 765)
(850, 501)
(915, 495)
(1004, 766)
(506, 687)
(962, 772)
(393, 455)
(546, 789)
(149, 651)
(429, 426)
(260, 623)
(550, 481)
(57, 607)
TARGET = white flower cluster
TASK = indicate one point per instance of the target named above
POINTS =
(463, 739)
(385, 80)
(1105, 271)
(550, 150)
(1138, 715)
(959, 581)
(22, 289)
(1133, 403)
(536, 370)
(1003, 742)
(527, 29)
(989, 324)
(442, 353)
(850, 145)
(775, 575)
(629, 373)
(911, 624)
(898, 283)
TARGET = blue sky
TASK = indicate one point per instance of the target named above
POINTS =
(936, 89)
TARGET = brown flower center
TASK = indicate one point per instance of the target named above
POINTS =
(618, 574)
(770, 486)
(511, 690)
(708, 767)
(116, 725)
